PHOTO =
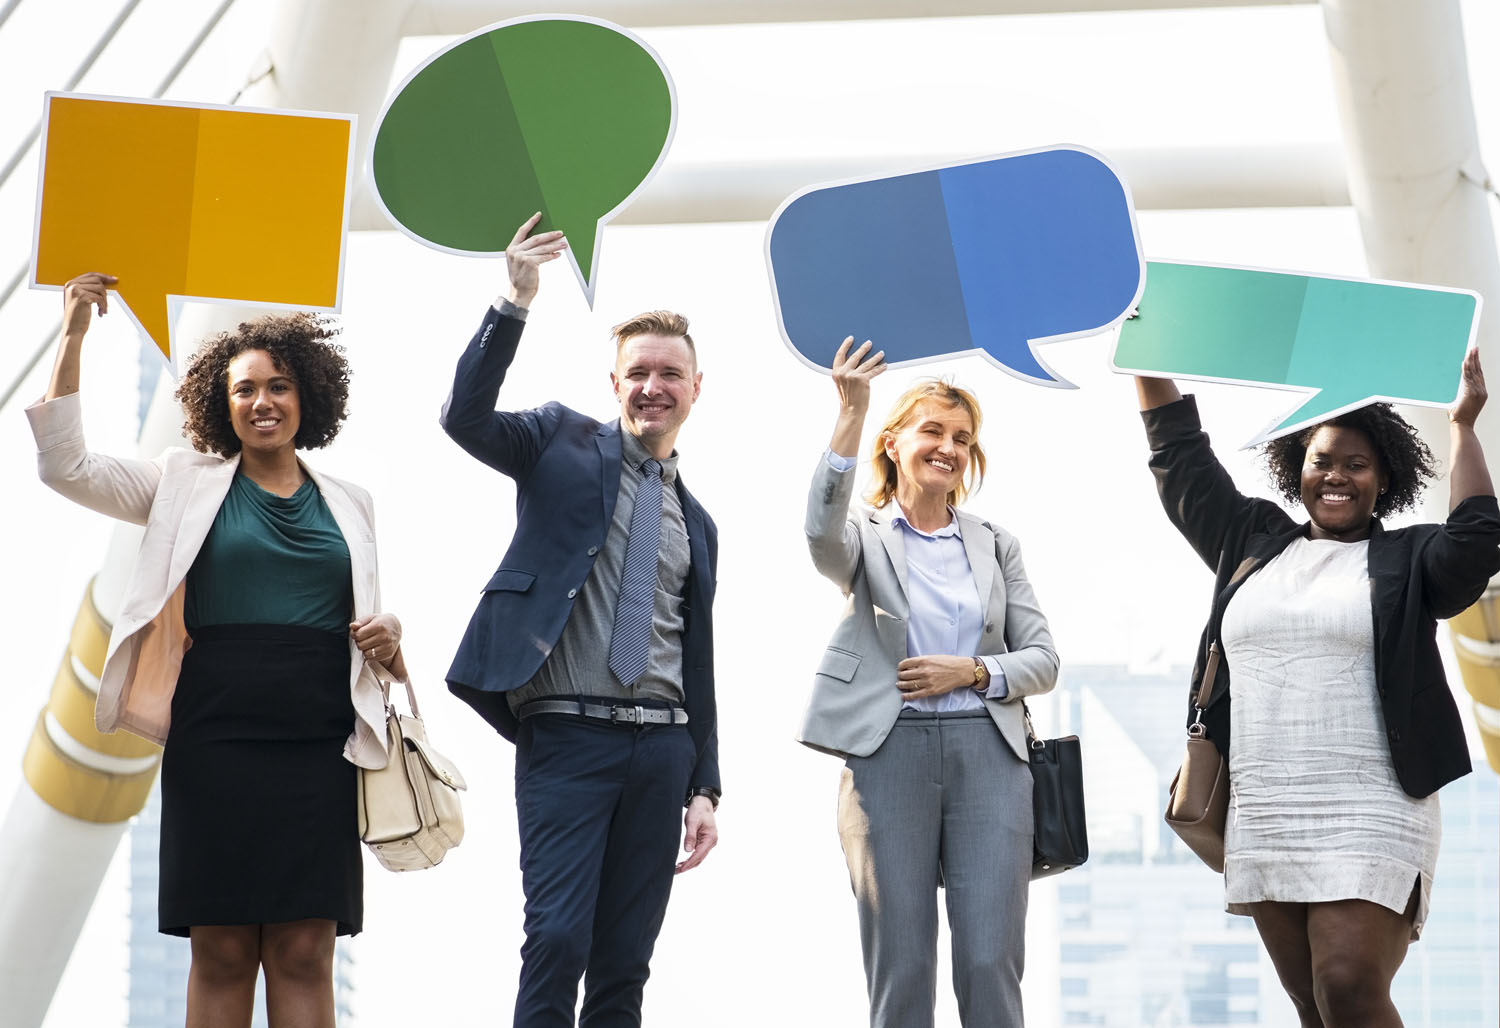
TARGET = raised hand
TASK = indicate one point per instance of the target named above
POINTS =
(79, 295)
(852, 373)
(1468, 474)
(1471, 391)
(524, 257)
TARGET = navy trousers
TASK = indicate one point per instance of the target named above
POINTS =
(599, 807)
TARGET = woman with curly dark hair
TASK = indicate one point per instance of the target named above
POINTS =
(248, 643)
(1342, 724)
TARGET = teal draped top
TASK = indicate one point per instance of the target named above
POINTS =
(271, 560)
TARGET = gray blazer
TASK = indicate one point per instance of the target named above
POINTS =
(855, 700)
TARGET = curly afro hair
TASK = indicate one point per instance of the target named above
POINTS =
(1405, 459)
(302, 347)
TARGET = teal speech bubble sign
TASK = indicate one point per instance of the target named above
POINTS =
(566, 115)
(1349, 342)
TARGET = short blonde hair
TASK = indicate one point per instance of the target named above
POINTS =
(883, 486)
(660, 323)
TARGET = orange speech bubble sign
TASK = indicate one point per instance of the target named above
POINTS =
(213, 203)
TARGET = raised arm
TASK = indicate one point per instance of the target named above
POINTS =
(832, 540)
(80, 296)
(1197, 493)
(1468, 474)
(509, 442)
(1155, 392)
(112, 486)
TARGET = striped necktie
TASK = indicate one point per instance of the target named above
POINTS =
(630, 644)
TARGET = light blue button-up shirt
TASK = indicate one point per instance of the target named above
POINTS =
(946, 615)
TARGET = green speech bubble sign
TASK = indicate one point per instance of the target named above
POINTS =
(566, 115)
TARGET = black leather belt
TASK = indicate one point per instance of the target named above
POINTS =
(619, 714)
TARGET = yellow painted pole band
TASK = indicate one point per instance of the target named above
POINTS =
(1476, 644)
(75, 788)
(89, 639)
(70, 764)
(72, 704)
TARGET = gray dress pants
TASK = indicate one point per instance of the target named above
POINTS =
(944, 801)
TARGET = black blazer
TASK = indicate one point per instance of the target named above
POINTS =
(567, 471)
(1418, 574)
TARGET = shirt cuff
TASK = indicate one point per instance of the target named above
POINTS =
(998, 690)
(839, 463)
(507, 309)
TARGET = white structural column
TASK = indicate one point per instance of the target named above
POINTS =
(1416, 179)
(336, 55)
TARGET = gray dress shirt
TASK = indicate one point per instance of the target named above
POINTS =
(578, 664)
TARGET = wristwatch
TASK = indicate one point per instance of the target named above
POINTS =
(703, 790)
(981, 677)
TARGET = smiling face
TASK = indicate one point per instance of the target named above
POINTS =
(931, 450)
(656, 380)
(265, 410)
(1341, 480)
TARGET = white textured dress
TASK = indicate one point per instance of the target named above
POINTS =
(1316, 812)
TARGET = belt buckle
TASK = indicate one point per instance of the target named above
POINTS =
(621, 714)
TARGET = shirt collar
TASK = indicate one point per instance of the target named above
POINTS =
(898, 517)
(634, 453)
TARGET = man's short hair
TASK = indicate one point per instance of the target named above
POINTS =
(660, 323)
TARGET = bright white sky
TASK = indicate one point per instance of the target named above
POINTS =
(764, 932)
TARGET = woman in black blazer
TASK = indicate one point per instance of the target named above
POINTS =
(1342, 720)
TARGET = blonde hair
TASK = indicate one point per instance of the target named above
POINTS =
(660, 323)
(883, 485)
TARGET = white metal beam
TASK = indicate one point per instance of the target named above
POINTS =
(1184, 178)
(457, 17)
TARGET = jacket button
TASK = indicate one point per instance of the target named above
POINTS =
(572, 593)
(990, 627)
(1394, 734)
(1381, 690)
(593, 550)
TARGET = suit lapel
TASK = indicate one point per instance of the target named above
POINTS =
(979, 545)
(355, 528)
(895, 546)
(210, 486)
(697, 532)
(608, 439)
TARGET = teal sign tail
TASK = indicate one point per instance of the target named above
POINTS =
(1350, 342)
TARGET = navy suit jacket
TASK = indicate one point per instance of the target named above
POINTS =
(566, 466)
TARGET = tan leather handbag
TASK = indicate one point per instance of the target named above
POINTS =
(1198, 803)
(409, 811)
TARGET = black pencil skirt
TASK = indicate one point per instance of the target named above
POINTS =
(258, 821)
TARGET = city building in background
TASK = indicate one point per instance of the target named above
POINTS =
(1143, 938)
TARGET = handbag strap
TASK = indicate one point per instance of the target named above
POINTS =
(386, 677)
(1031, 740)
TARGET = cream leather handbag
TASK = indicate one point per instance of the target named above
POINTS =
(409, 810)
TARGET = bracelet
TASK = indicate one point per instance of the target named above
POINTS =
(704, 790)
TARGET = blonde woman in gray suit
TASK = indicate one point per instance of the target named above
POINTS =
(919, 692)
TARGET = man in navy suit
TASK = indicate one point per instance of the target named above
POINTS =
(592, 650)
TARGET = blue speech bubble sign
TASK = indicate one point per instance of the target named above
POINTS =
(997, 255)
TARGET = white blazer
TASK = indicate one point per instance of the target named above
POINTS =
(855, 699)
(176, 496)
